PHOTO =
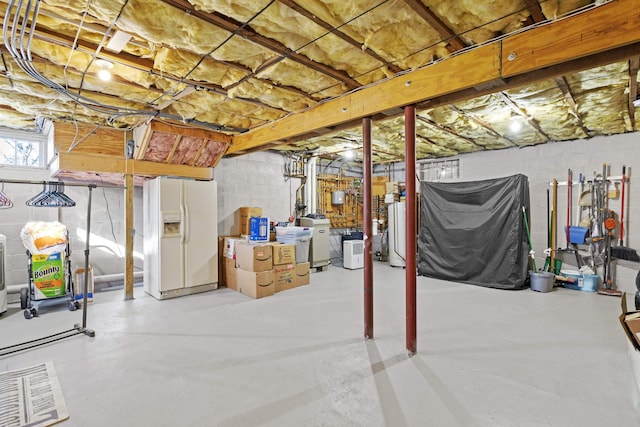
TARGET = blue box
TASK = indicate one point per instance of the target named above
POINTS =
(259, 229)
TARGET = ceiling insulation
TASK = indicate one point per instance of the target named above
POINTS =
(232, 66)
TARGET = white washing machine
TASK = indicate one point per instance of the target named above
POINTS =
(3, 281)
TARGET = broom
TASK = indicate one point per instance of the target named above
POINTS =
(621, 252)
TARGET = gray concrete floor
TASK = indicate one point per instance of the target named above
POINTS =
(485, 357)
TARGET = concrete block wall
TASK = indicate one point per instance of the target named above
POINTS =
(544, 162)
(253, 180)
(106, 256)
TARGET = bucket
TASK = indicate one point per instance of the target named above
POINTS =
(542, 281)
(590, 282)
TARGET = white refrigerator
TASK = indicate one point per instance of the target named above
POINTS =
(180, 237)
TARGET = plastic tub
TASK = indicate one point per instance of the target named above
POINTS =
(302, 246)
(542, 281)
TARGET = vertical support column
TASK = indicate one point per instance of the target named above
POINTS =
(367, 193)
(410, 187)
(128, 232)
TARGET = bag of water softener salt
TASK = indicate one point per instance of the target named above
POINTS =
(40, 237)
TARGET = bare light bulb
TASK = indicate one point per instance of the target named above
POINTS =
(515, 125)
(104, 75)
(349, 154)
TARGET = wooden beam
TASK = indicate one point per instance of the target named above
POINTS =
(477, 65)
(174, 148)
(602, 28)
(483, 124)
(453, 79)
(247, 32)
(102, 141)
(120, 165)
(128, 232)
(146, 65)
(531, 121)
(345, 37)
(449, 132)
(535, 10)
(634, 64)
(454, 41)
(189, 131)
(563, 85)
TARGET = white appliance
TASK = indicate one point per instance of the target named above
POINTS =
(319, 250)
(180, 237)
(397, 234)
(3, 280)
(353, 254)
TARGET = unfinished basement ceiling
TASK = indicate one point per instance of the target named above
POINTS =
(234, 65)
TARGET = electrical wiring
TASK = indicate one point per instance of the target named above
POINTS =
(20, 51)
(222, 43)
(106, 201)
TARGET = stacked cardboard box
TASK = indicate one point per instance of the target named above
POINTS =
(254, 262)
(228, 261)
(244, 215)
(259, 269)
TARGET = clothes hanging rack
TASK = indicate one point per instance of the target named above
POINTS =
(77, 328)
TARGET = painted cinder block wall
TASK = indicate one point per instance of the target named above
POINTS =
(542, 163)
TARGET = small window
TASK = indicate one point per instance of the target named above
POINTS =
(19, 150)
(440, 170)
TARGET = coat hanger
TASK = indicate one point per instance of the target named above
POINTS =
(5, 201)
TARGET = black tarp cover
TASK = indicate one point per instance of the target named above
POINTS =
(473, 232)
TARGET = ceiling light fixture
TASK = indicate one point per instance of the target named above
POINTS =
(104, 73)
(349, 154)
(516, 124)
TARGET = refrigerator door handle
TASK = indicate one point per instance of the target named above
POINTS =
(182, 224)
(185, 218)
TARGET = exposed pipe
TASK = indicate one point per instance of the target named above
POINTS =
(410, 187)
(105, 278)
(367, 227)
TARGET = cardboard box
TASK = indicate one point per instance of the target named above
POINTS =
(302, 274)
(230, 274)
(254, 257)
(284, 277)
(255, 285)
(630, 321)
(284, 254)
(230, 242)
(244, 216)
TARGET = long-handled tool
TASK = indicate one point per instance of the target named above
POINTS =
(569, 202)
(622, 252)
(609, 225)
(579, 206)
(531, 253)
(624, 180)
(554, 216)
